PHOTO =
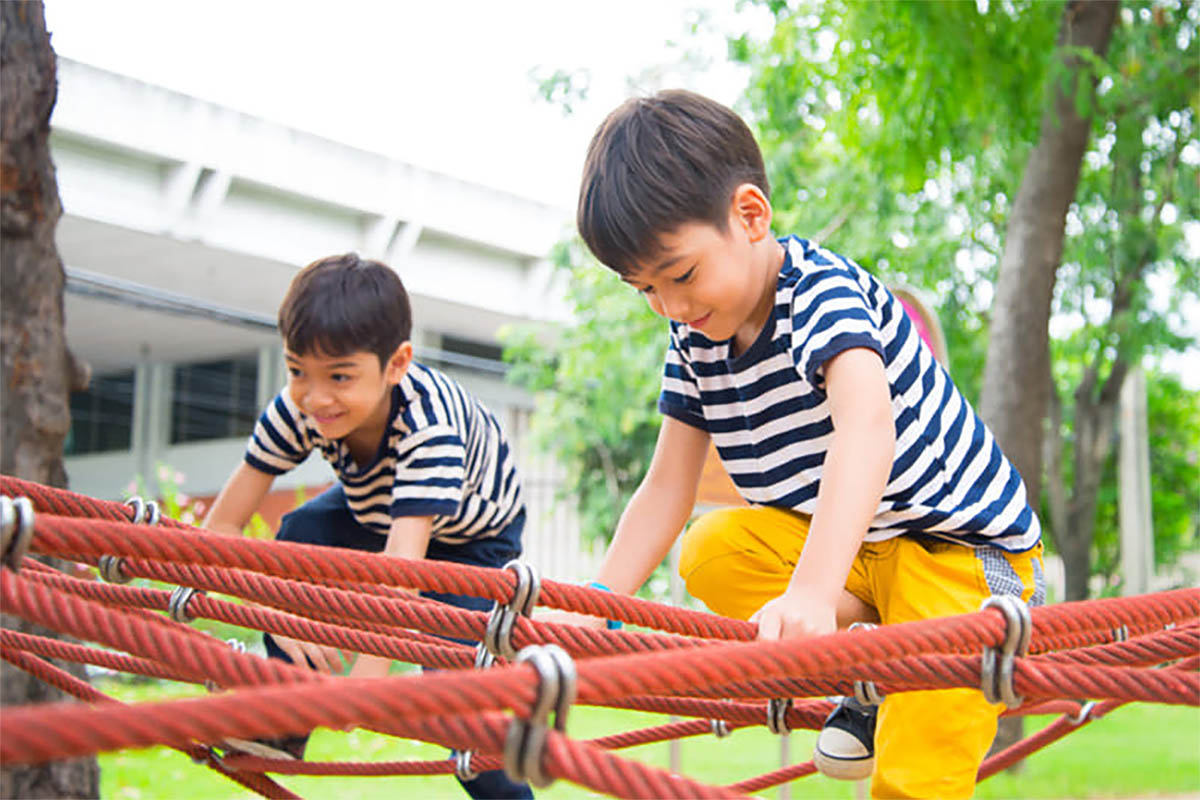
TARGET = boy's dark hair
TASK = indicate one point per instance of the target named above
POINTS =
(344, 304)
(659, 162)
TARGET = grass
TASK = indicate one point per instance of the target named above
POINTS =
(1137, 751)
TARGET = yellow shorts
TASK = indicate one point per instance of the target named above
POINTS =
(927, 744)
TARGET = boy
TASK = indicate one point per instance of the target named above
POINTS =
(424, 470)
(876, 493)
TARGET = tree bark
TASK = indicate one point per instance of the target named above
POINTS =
(1016, 377)
(36, 370)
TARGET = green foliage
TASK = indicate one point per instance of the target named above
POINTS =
(1173, 415)
(897, 133)
(596, 384)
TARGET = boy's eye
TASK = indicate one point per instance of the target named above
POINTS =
(294, 372)
(687, 276)
(339, 377)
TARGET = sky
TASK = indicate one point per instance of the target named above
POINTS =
(445, 85)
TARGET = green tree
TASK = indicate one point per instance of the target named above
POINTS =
(913, 138)
(596, 381)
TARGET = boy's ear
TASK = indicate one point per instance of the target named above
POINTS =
(398, 364)
(752, 210)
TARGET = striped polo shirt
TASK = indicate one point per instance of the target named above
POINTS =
(443, 455)
(768, 415)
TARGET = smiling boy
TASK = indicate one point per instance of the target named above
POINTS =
(423, 468)
(875, 491)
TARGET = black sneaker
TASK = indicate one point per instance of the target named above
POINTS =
(846, 745)
(285, 747)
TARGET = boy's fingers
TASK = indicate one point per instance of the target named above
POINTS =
(768, 627)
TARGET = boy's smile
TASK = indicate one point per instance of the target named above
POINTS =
(721, 284)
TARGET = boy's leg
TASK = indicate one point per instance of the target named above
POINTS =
(492, 552)
(324, 520)
(737, 559)
(931, 743)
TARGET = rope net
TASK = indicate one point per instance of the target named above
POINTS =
(688, 664)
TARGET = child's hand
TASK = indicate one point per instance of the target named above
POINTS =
(793, 615)
(323, 659)
(570, 618)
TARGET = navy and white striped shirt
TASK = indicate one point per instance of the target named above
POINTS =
(767, 411)
(443, 455)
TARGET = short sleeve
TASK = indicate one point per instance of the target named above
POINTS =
(280, 441)
(680, 396)
(430, 472)
(830, 314)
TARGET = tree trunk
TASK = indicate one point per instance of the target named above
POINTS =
(1016, 387)
(36, 371)
(1015, 393)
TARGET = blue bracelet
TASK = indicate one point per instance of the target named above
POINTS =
(611, 624)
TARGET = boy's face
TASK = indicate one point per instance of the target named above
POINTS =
(347, 394)
(714, 282)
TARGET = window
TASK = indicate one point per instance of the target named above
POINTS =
(214, 400)
(102, 415)
(469, 354)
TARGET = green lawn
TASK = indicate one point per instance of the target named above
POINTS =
(1137, 751)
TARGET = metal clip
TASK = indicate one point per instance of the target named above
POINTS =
(865, 691)
(497, 637)
(462, 758)
(777, 711)
(720, 728)
(1085, 711)
(525, 744)
(177, 605)
(462, 765)
(996, 668)
(1120, 634)
(143, 511)
(16, 530)
(110, 569)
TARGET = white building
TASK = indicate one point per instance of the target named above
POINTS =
(183, 223)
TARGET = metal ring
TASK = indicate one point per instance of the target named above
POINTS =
(177, 605)
(139, 508)
(777, 711)
(8, 523)
(497, 636)
(720, 728)
(110, 569)
(1121, 633)
(996, 670)
(462, 765)
(18, 533)
(483, 657)
(865, 692)
(524, 746)
(528, 589)
(1085, 711)
(153, 513)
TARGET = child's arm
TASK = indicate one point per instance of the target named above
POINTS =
(855, 475)
(658, 509)
(408, 538)
(239, 498)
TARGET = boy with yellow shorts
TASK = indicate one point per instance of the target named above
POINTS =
(877, 494)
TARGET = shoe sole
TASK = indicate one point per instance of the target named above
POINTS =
(844, 769)
(259, 749)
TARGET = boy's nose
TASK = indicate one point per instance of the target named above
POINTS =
(675, 306)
